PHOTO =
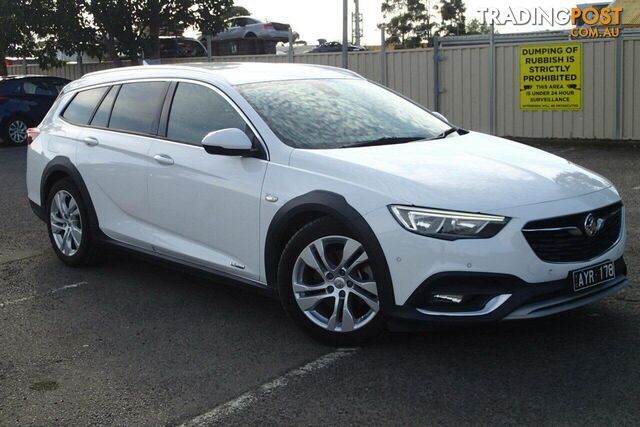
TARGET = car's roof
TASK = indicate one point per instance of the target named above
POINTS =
(24, 76)
(232, 73)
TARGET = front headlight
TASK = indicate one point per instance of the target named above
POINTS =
(448, 225)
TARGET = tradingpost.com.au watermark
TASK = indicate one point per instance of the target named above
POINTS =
(589, 22)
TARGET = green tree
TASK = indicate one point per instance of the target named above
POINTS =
(476, 27)
(210, 15)
(131, 27)
(410, 22)
(17, 31)
(453, 19)
(167, 17)
(234, 11)
(114, 21)
(68, 28)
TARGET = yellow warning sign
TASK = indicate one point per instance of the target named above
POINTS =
(551, 77)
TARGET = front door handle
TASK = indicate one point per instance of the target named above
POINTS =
(163, 159)
(90, 141)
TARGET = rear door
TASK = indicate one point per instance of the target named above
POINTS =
(113, 158)
(205, 207)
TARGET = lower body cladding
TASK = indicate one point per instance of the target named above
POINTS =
(516, 274)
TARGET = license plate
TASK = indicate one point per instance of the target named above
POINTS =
(592, 276)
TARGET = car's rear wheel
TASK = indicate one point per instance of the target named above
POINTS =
(16, 131)
(68, 224)
(328, 286)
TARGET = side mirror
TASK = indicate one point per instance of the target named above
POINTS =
(227, 142)
(440, 116)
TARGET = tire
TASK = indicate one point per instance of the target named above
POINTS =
(250, 36)
(341, 306)
(15, 131)
(76, 249)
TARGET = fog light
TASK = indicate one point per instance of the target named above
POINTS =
(455, 299)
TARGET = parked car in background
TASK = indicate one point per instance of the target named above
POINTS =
(242, 27)
(330, 47)
(181, 47)
(24, 101)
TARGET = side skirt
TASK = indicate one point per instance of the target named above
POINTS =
(191, 268)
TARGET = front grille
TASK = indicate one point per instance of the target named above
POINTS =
(564, 239)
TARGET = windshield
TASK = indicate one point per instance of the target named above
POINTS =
(334, 113)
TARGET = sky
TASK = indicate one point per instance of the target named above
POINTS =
(314, 19)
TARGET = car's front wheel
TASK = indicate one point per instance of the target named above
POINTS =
(327, 284)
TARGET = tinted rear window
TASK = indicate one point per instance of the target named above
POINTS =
(83, 105)
(137, 108)
(101, 118)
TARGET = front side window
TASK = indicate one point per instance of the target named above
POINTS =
(337, 113)
(137, 107)
(82, 106)
(196, 111)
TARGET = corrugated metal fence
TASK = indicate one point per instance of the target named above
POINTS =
(610, 110)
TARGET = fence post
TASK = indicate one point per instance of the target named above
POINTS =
(290, 45)
(619, 76)
(383, 55)
(436, 73)
(345, 34)
(208, 47)
(492, 82)
(80, 64)
(24, 66)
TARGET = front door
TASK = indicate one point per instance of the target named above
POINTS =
(205, 207)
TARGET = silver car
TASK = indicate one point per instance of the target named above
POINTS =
(242, 27)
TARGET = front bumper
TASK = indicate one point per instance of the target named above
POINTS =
(508, 279)
(499, 297)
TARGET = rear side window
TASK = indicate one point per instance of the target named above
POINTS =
(37, 87)
(196, 111)
(137, 107)
(83, 105)
(101, 118)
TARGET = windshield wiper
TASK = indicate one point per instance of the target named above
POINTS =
(384, 141)
(447, 132)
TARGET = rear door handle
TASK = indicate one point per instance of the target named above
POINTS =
(163, 159)
(90, 141)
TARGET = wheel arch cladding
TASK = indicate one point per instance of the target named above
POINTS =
(311, 206)
(59, 168)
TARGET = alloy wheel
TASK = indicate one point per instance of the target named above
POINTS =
(66, 223)
(17, 132)
(333, 284)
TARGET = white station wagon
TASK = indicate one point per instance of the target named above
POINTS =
(357, 207)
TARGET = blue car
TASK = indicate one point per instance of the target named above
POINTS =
(24, 101)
